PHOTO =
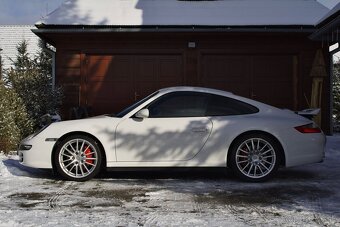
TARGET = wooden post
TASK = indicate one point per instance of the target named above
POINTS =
(318, 73)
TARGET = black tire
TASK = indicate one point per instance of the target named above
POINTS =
(78, 158)
(255, 157)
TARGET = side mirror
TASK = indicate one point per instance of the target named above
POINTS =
(143, 113)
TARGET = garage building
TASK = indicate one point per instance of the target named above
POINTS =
(112, 53)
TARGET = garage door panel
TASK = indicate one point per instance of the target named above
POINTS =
(97, 67)
(146, 68)
(226, 72)
(116, 81)
(113, 68)
(164, 84)
(216, 67)
(158, 67)
(159, 71)
(273, 80)
(266, 78)
(268, 64)
(120, 69)
(170, 68)
(144, 89)
(107, 107)
(236, 88)
(108, 89)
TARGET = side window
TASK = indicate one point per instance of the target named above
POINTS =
(179, 104)
(224, 106)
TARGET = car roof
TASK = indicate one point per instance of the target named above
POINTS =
(197, 89)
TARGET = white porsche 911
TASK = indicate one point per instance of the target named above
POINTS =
(179, 127)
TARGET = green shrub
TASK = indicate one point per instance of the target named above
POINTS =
(31, 79)
(26, 94)
(15, 123)
(336, 93)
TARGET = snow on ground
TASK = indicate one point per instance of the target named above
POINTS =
(302, 196)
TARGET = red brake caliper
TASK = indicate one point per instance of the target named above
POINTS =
(88, 155)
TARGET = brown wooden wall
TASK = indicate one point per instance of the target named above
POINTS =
(95, 69)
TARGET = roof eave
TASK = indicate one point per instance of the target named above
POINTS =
(42, 28)
(327, 31)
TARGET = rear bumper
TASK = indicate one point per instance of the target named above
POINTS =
(305, 149)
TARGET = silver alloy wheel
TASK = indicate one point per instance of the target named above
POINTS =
(255, 158)
(78, 158)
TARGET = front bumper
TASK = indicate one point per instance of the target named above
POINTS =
(39, 155)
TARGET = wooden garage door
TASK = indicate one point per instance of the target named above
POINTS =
(226, 72)
(114, 82)
(272, 80)
(266, 78)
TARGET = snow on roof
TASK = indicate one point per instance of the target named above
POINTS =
(179, 13)
(332, 12)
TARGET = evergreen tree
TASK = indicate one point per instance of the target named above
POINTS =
(22, 61)
(31, 79)
(44, 61)
(336, 93)
(15, 123)
(1, 69)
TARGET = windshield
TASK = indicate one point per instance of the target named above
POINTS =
(130, 108)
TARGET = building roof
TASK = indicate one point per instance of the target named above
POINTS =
(11, 36)
(334, 12)
(184, 13)
(328, 27)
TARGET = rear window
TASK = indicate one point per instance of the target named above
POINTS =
(224, 106)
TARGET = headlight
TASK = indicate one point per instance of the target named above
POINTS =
(24, 147)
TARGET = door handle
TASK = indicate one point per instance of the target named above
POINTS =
(199, 129)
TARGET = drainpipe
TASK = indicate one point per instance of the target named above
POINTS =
(52, 52)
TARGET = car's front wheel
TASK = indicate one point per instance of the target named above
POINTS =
(78, 158)
(255, 157)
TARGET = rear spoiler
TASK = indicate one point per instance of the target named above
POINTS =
(308, 113)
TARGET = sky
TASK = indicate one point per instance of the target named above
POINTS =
(25, 12)
(28, 12)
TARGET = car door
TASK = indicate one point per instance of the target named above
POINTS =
(176, 130)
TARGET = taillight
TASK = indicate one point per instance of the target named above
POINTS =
(310, 128)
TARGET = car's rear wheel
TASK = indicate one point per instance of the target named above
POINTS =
(78, 158)
(255, 157)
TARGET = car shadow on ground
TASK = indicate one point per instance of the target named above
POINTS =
(189, 174)
(205, 173)
(16, 169)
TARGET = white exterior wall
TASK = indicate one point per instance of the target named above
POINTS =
(11, 36)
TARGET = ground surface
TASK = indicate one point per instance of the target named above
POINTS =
(303, 196)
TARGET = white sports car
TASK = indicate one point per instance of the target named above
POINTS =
(179, 127)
